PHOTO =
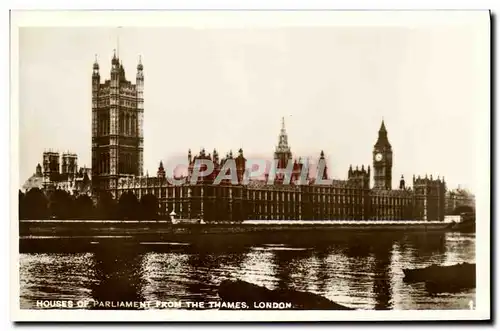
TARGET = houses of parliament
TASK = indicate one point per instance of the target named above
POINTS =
(117, 167)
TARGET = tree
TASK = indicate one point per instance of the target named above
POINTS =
(149, 207)
(106, 206)
(34, 205)
(128, 206)
(84, 208)
(61, 205)
(463, 209)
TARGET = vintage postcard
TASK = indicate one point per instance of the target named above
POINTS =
(250, 166)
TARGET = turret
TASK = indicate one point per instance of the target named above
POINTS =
(96, 78)
(240, 165)
(122, 72)
(95, 69)
(115, 66)
(114, 60)
(161, 171)
(322, 161)
(140, 70)
(402, 183)
(38, 172)
(216, 156)
(139, 65)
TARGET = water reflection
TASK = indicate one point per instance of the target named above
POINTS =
(382, 254)
(55, 277)
(362, 271)
(117, 275)
(164, 276)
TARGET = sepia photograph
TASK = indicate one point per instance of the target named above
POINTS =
(257, 166)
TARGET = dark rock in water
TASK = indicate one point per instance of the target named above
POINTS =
(251, 294)
(435, 287)
(439, 279)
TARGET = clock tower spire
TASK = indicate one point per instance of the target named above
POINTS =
(382, 160)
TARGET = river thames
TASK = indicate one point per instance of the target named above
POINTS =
(360, 270)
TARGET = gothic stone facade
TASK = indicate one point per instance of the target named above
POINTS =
(459, 198)
(57, 175)
(117, 167)
(350, 199)
(117, 130)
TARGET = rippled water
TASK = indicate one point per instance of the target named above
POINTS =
(362, 271)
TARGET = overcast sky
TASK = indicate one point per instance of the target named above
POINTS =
(229, 88)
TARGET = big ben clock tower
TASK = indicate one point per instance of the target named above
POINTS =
(382, 161)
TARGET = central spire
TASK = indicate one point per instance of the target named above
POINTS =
(283, 139)
(283, 154)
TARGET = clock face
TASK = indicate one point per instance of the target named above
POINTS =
(378, 157)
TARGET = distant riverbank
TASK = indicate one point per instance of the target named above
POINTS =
(140, 227)
(41, 235)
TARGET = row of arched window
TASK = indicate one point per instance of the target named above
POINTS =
(127, 164)
(103, 126)
(128, 124)
(104, 163)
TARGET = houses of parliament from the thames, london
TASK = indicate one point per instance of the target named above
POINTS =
(117, 167)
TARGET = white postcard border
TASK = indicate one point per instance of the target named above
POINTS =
(215, 19)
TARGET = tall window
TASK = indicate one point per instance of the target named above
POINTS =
(128, 125)
(120, 165)
(134, 125)
(109, 163)
(101, 126)
(122, 123)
